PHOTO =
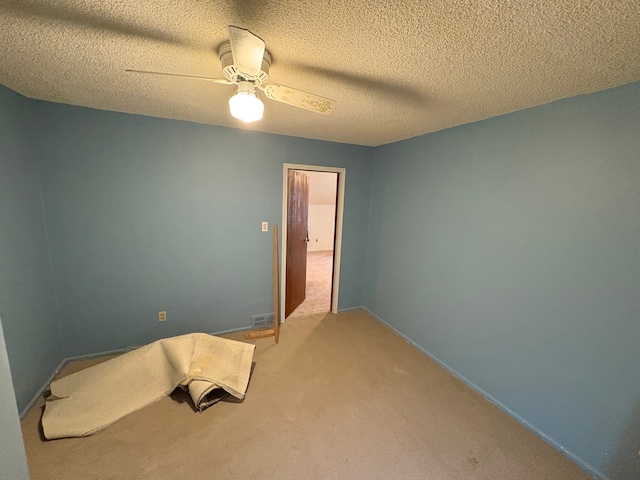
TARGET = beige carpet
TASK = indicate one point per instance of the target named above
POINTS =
(319, 275)
(88, 401)
(341, 397)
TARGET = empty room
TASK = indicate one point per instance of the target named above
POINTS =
(352, 239)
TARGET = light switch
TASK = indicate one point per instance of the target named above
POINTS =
(265, 226)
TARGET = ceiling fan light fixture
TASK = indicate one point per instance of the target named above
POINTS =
(245, 104)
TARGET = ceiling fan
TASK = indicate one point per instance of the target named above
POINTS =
(245, 63)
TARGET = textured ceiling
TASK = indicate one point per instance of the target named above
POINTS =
(396, 69)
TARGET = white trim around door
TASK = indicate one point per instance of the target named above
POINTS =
(337, 253)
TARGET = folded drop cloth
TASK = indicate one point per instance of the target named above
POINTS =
(88, 401)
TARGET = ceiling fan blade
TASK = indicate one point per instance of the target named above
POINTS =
(298, 98)
(214, 80)
(247, 51)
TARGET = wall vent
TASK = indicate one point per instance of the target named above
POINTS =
(261, 321)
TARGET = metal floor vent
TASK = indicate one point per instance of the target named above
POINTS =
(260, 321)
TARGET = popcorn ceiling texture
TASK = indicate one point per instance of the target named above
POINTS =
(396, 69)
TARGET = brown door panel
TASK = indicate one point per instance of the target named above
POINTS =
(297, 239)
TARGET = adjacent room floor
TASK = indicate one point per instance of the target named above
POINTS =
(341, 396)
(318, 294)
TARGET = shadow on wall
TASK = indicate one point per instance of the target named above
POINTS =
(626, 462)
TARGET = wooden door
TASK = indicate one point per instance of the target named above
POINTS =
(297, 239)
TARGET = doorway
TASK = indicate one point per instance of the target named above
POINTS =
(312, 213)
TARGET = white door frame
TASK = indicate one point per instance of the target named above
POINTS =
(337, 252)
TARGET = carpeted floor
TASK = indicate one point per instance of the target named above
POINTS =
(341, 397)
(318, 294)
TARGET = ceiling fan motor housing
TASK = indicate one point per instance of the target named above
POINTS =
(231, 72)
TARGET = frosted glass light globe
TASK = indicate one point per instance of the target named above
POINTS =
(246, 106)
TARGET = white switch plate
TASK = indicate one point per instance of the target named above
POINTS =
(265, 226)
(162, 316)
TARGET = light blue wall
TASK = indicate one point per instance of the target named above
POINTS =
(146, 214)
(13, 461)
(509, 249)
(27, 300)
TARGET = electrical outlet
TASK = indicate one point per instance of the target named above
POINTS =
(162, 316)
(265, 226)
